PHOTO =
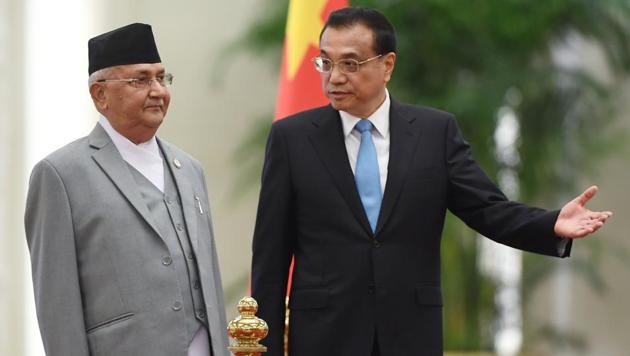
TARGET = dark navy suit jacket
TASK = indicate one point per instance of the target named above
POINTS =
(350, 284)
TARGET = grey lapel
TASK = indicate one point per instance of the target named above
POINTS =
(189, 204)
(112, 163)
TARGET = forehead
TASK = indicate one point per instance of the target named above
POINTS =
(354, 41)
(140, 69)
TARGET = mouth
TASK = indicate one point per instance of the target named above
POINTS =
(337, 94)
(157, 107)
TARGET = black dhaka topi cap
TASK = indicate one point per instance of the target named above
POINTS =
(129, 44)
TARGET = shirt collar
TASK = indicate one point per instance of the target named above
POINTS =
(379, 118)
(125, 146)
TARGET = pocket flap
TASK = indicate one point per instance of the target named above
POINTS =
(308, 299)
(429, 296)
(109, 322)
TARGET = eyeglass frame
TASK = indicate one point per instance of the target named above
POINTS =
(334, 63)
(167, 80)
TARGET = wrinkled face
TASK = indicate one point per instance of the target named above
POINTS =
(362, 92)
(136, 113)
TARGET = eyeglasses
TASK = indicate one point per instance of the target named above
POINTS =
(164, 80)
(348, 65)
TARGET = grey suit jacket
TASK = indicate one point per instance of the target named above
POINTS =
(100, 285)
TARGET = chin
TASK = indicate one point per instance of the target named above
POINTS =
(154, 121)
(159, 122)
(337, 105)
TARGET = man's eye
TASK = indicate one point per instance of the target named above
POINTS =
(326, 62)
(348, 63)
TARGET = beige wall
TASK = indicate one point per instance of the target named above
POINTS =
(11, 180)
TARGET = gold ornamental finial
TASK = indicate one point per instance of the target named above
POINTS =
(247, 330)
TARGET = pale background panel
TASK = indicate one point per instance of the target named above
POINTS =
(12, 253)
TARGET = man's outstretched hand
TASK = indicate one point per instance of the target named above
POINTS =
(576, 221)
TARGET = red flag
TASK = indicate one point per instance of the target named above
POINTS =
(300, 87)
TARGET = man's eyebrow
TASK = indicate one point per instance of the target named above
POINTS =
(145, 72)
(343, 55)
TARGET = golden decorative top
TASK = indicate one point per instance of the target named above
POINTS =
(247, 329)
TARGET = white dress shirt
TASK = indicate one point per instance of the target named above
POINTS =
(145, 157)
(380, 137)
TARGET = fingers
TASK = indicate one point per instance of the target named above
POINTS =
(589, 226)
(587, 195)
(587, 229)
(599, 215)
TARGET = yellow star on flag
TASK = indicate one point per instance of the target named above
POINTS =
(303, 26)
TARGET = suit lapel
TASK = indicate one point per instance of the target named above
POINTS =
(112, 163)
(403, 140)
(329, 143)
(182, 183)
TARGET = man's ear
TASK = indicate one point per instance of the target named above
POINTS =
(390, 63)
(99, 96)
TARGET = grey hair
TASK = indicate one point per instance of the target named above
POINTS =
(100, 74)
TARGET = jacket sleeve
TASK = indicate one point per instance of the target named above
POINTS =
(475, 199)
(218, 332)
(51, 241)
(273, 241)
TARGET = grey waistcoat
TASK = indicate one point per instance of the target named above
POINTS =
(166, 210)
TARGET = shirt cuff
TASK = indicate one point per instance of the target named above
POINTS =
(562, 246)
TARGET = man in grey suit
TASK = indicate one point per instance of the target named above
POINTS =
(118, 223)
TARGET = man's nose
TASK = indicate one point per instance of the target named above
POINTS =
(336, 75)
(156, 89)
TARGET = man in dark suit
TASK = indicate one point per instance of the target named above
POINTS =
(357, 191)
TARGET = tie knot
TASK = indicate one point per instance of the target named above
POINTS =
(363, 125)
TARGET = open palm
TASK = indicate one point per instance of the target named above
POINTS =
(576, 221)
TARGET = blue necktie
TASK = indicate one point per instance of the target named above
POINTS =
(366, 174)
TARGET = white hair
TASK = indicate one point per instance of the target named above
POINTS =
(100, 74)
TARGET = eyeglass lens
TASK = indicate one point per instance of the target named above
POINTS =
(325, 65)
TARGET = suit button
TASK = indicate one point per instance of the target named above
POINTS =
(180, 227)
(177, 306)
(196, 284)
(168, 201)
(167, 260)
(190, 256)
(377, 244)
(201, 314)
